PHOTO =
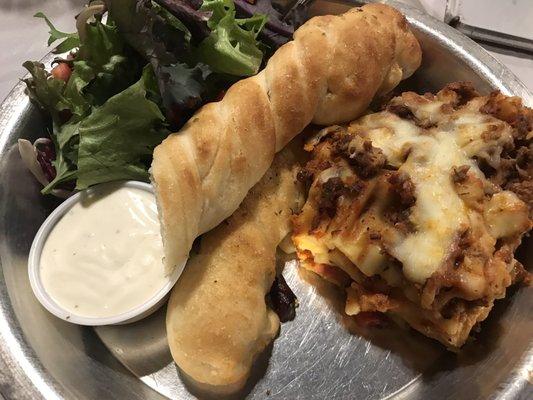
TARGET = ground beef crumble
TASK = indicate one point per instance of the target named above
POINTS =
(465, 92)
(401, 111)
(404, 188)
(332, 189)
(460, 174)
(366, 159)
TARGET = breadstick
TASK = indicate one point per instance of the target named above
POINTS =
(328, 74)
(217, 317)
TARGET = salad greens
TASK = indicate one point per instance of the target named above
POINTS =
(117, 137)
(135, 70)
(231, 47)
(71, 39)
(102, 67)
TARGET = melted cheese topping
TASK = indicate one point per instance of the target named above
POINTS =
(506, 215)
(438, 213)
(428, 157)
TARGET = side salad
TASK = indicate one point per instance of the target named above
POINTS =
(135, 71)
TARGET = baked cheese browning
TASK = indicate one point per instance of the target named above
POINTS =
(417, 210)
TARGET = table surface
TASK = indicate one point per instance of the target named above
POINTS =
(24, 38)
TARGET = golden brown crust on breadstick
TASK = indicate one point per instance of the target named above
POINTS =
(328, 74)
(217, 318)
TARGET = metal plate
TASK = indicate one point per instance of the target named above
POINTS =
(320, 354)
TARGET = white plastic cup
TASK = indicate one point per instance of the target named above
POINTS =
(135, 314)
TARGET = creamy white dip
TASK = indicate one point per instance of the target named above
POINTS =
(105, 256)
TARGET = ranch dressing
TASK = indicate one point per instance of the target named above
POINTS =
(105, 256)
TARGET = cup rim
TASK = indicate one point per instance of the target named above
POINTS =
(55, 308)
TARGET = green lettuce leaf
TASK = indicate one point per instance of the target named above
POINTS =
(66, 141)
(184, 84)
(46, 91)
(103, 67)
(101, 106)
(115, 66)
(71, 41)
(101, 42)
(232, 46)
(54, 95)
(82, 75)
(63, 101)
(151, 30)
(65, 171)
(116, 141)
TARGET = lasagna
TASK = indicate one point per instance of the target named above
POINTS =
(416, 211)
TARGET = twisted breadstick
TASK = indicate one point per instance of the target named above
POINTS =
(328, 74)
(217, 317)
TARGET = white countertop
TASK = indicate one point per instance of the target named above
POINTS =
(505, 16)
(24, 38)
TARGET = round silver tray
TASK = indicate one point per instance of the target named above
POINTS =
(319, 355)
